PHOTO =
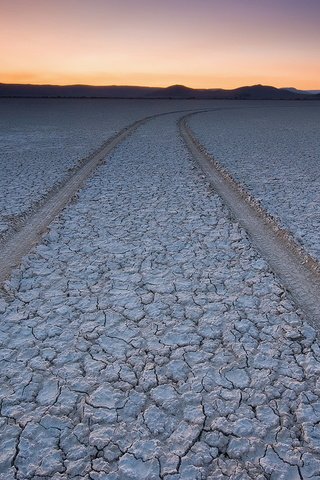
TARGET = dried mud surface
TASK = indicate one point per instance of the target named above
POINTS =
(145, 338)
(274, 152)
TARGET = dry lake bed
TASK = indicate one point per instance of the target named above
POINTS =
(145, 337)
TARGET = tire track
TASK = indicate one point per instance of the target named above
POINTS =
(298, 271)
(31, 230)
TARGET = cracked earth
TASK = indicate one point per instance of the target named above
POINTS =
(145, 338)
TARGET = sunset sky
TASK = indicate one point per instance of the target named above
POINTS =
(198, 43)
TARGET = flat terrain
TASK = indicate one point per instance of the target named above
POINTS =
(274, 151)
(145, 338)
(41, 140)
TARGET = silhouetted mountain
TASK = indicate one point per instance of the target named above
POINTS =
(307, 92)
(262, 92)
(254, 92)
(174, 91)
(294, 90)
(16, 90)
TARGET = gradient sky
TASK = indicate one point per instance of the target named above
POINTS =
(199, 43)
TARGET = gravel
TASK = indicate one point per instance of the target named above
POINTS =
(145, 338)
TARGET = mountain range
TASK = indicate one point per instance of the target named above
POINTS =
(312, 92)
(254, 92)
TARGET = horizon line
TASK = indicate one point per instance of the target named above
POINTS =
(153, 87)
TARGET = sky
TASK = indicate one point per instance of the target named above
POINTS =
(198, 43)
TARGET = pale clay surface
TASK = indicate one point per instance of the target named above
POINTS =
(274, 152)
(145, 338)
(42, 139)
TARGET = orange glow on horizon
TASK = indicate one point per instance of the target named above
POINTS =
(228, 84)
(140, 42)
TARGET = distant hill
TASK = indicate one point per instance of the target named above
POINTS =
(308, 92)
(262, 92)
(254, 92)
(113, 91)
(175, 91)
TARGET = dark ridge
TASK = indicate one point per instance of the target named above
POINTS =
(174, 91)
(263, 92)
(254, 92)
(113, 91)
(295, 90)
